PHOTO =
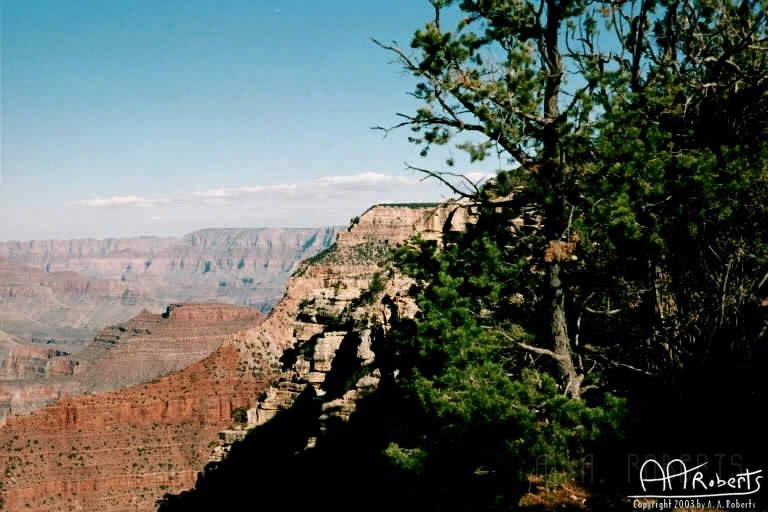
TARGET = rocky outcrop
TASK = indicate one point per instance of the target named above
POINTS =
(122, 451)
(341, 312)
(314, 355)
(183, 315)
(395, 223)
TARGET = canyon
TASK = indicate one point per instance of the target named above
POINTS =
(124, 450)
(146, 347)
(62, 308)
(331, 332)
(63, 291)
(56, 295)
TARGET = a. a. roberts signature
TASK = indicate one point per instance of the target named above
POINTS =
(677, 481)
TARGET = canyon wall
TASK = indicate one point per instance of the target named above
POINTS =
(120, 451)
(56, 295)
(329, 326)
(116, 450)
(235, 266)
(123, 450)
(63, 291)
(62, 307)
(146, 347)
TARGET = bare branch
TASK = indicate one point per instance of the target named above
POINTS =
(762, 281)
(539, 350)
(600, 354)
(409, 64)
(441, 177)
(531, 348)
(606, 312)
(488, 128)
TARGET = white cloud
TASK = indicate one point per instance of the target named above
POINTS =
(237, 192)
(119, 201)
(327, 186)
(368, 179)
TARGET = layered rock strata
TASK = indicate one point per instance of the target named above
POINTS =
(342, 314)
(144, 348)
(234, 266)
(122, 451)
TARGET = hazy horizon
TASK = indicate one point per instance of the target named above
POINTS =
(179, 236)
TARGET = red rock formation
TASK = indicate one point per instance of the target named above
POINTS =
(123, 450)
(138, 351)
(180, 315)
(151, 345)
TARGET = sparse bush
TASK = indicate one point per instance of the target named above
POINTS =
(239, 415)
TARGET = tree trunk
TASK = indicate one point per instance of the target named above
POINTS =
(667, 316)
(562, 344)
(552, 179)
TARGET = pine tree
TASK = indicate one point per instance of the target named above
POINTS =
(603, 110)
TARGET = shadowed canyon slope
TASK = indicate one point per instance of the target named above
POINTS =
(122, 451)
(329, 364)
(75, 287)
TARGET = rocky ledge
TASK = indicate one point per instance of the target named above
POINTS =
(334, 315)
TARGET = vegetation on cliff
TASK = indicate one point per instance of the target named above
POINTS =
(608, 301)
(622, 247)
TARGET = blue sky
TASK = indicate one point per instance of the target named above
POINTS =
(158, 117)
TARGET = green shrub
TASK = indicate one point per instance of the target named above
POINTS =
(239, 415)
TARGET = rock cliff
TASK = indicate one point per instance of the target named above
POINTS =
(122, 451)
(235, 266)
(343, 315)
(337, 308)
